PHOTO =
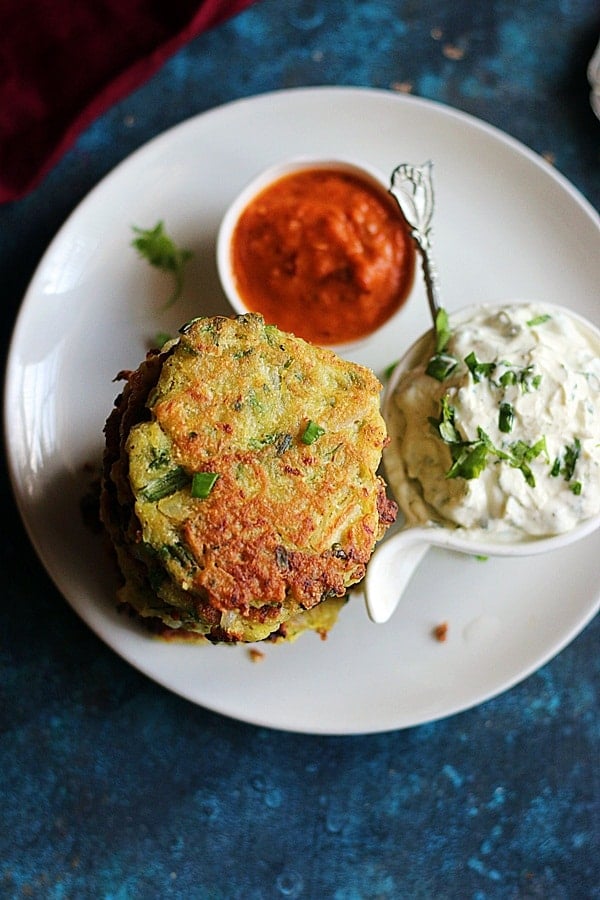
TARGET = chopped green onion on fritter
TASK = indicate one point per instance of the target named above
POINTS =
(312, 432)
(167, 484)
(203, 483)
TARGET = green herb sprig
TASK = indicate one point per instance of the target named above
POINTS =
(156, 247)
(479, 370)
(525, 377)
(469, 458)
(565, 465)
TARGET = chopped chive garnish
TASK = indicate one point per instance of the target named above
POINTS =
(312, 432)
(506, 418)
(441, 366)
(539, 320)
(167, 484)
(203, 483)
(576, 488)
(566, 465)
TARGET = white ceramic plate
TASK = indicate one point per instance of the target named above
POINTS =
(506, 226)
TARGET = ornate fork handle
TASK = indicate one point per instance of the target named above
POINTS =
(412, 188)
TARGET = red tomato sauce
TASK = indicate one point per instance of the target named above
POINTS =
(323, 254)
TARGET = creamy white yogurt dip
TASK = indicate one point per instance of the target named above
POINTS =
(497, 429)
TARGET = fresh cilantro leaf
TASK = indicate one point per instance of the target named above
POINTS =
(469, 460)
(508, 377)
(445, 424)
(527, 452)
(521, 455)
(570, 459)
(478, 369)
(155, 246)
(526, 378)
(565, 465)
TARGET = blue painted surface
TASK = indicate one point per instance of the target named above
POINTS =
(113, 788)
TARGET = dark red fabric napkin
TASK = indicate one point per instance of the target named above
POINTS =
(63, 62)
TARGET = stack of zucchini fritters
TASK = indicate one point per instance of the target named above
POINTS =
(240, 487)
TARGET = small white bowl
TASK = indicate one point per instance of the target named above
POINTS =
(392, 565)
(364, 171)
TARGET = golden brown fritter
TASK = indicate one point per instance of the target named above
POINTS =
(240, 486)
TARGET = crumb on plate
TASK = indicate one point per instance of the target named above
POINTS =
(440, 632)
